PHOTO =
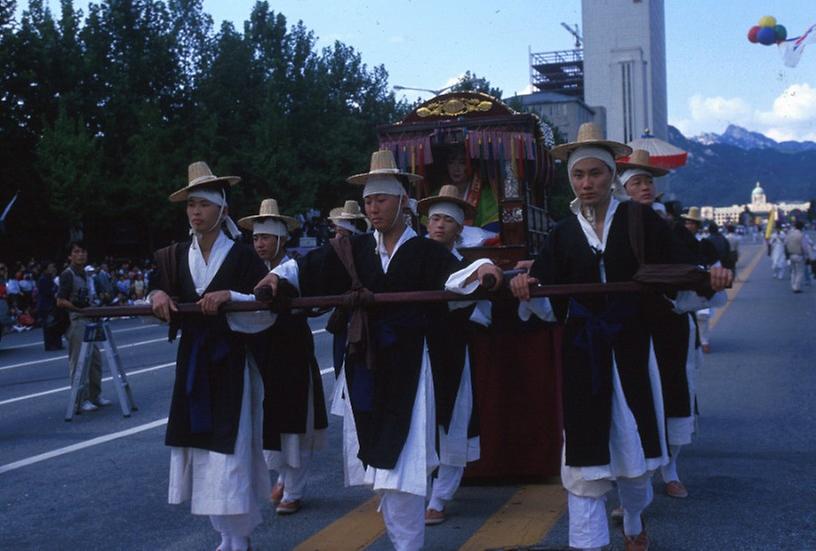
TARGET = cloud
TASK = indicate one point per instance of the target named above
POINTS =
(719, 109)
(453, 80)
(791, 116)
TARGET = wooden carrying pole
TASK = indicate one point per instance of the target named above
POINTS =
(333, 301)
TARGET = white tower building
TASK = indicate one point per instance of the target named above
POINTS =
(625, 65)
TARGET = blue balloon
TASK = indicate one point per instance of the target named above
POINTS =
(767, 36)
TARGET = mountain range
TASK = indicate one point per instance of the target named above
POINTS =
(722, 169)
(746, 139)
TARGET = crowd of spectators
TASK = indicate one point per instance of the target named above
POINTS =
(28, 289)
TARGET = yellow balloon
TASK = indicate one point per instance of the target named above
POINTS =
(767, 21)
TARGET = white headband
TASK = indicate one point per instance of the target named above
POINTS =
(591, 152)
(270, 226)
(383, 184)
(448, 209)
(217, 198)
(626, 175)
(346, 225)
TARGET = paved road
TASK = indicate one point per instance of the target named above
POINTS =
(750, 472)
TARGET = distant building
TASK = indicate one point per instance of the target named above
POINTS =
(565, 112)
(759, 207)
(560, 71)
(624, 65)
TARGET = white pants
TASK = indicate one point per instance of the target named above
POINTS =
(669, 470)
(702, 325)
(445, 486)
(797, 271)
(588, 525)
(235, 529)
(404, 517)
(294, 478)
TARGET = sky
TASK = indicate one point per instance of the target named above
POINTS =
(715, 76)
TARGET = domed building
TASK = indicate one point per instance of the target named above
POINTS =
(758, 196)
(759, 207)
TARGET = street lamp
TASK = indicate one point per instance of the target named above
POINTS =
(434, 92)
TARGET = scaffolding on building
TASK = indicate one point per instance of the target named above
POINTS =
(560, 71)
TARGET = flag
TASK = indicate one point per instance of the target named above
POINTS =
(796, 46)
(8, 207)
(771, 224)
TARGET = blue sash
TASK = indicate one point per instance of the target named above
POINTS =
(599, 332)
(209, 347)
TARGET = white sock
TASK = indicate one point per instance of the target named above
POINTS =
(669, 471)
(239, 543)
(632, 524)
(437, 504)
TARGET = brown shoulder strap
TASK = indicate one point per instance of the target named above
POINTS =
(358, 298)
(167, 261)
(636, 230)
(342, 246)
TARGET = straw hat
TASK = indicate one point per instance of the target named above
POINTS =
(641, 159)
(589, 134)
(199, 174)
(269, 209)
(693, 214)
(349, 211)
(447, 194)
(382, 163)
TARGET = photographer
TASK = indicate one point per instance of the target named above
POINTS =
(76, 292)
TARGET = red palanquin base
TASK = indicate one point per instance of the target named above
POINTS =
(517, 378)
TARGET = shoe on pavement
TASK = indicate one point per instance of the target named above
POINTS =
(277, 493)
(86, 406)
(288, 507)
(248, 548)
(101, 402)
(676, 489)
(636, 543)
(434, 517)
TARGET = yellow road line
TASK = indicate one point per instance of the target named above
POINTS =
(353, 531)
(733, 291)
(524, 520)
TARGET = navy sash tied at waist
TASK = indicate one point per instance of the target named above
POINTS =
(598, 332)
(209, 347)
(384, 334)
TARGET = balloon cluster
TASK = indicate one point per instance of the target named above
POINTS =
(767, 32)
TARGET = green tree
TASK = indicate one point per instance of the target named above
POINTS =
(469, 82)
(68, 160)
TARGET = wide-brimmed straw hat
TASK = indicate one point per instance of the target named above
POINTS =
(199, 174)
(640, 159)
(349, 211)
(590, 134)
(382, 164)
(447, 194)
(268, 210)
(693, 214)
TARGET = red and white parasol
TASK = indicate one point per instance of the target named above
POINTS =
(662, 154)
